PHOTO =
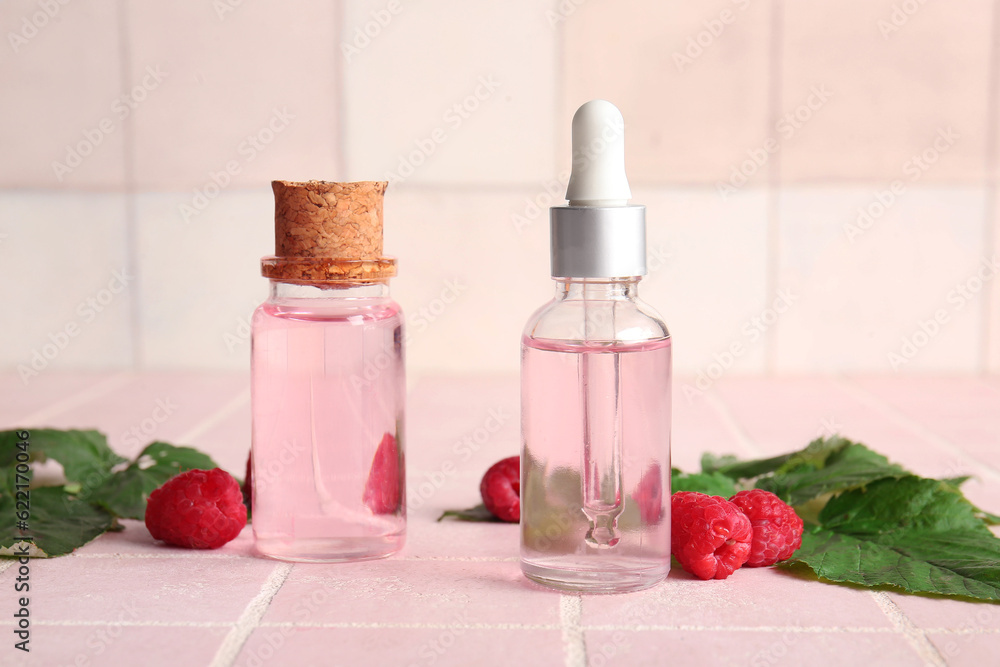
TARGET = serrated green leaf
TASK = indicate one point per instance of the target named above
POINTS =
(814, 454)
(713, 484)
(125, 492)
(84, 455)
(58, 523)
(920, 535)
(850, 466)
(477, 513)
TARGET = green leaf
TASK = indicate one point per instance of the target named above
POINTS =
(477, 513)
(84, 455)
(125, 492)
(920, 535)
(713, 484)
(59, 523)
(814, 454)
(848, 467)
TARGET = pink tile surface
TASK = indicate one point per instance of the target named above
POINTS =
(756, 598)
(966, 650)
(157, 589)
(98, 643)
(455, 594)
(720, 647)
(444, 646)
(397, 591)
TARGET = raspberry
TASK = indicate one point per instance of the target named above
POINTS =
(648, 495)
(383, 489)
(501, 489)
(709, 535)
(197, 509)
(777, 529)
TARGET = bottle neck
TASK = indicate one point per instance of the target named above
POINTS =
(597, 289)
(282, 291)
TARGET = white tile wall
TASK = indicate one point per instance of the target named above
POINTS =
(68, 291)
(200, 280)
(862, 291)
(449, 91)
(249, 95)
(375, 82)
(707, 266)
(61, 74)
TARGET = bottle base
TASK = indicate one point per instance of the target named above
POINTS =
(344, 550)
(595, 581)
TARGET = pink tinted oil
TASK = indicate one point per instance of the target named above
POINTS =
(327, 391)
(595, 485)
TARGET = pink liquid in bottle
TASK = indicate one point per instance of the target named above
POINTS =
(596, 523)
(327, 446)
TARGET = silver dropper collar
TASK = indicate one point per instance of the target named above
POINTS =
(598, 235)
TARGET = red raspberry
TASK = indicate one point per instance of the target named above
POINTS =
(501, 489)
(709, 535)
(777, 529)
(197, 509)
(383, 490)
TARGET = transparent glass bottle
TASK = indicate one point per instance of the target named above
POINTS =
(328, 390)
(595, 387)
(595, 463)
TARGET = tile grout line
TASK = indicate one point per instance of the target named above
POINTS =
(226, 410)
(82, 397)
(992, 167)
(251, 617)
(340, 85)
(128, 169)
(916, 637)
(731, 424)
(574, 645)
(797, 629)
(773, 236)
(871, 400)
(210, 556)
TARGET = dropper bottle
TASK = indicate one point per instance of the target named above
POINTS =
(595, 388)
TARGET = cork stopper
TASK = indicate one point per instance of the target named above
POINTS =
(328, 232)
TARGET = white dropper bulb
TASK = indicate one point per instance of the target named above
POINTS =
(598, 175)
